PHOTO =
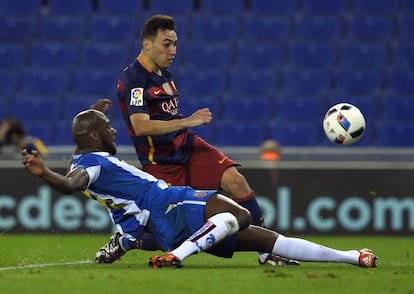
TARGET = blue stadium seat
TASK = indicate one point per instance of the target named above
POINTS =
(41, 81)
(394, 134)
(266, 29)
(231, 133)
(358, 83)
(104, 55)
(407, 6)
(401, 82)
(397, 109)
(120, 7)
(319, 29)
(217, 7)
(8, 83)
(63, 133)
(375, 7)
(306, 82)
(70, 7)
(324, 7)
(207, 82)
(95, 82)
(205, 55)
(365, 55)
(297, 109)
(54, 55)
(313, 55)
(295, 134)
(42, 130)
(104, 28)
(74, 104)
(171, 7)
(370, 29)
(36, 108)
(246, 109)
(62, 28)
(260, 55)
(404, 55)
(216, 29)
(405, 28)
(252, 82)
(12, 55)
(20, 7)
(17, 29)
(273, 7)
(190, 104)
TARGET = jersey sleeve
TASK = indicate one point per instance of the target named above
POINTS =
(92, 166)
(130, 91)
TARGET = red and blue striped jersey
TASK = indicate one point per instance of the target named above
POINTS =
(140, 90)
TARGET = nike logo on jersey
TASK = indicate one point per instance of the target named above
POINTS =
(222, 160)
(156, 92)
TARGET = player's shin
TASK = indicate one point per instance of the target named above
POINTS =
(216, 228)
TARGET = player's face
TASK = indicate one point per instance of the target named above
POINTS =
(163, 48)
(108, 133)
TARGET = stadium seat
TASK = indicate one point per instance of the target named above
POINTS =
(190, 104)
(63, 130)
(120, 7)
(216, 29)
(297, 109)
(12, 55)
(358, 83)
(104, 55)
(70, 7)
(171, 7)
(231, 133)
(260, 55)
(375, 7)
(17, 29)
(95, 82)
(36, 108)
(252, 82)
(306, 82)
(295, 134)
(104, 28)
(369, 29)
(405, 28)
(62, 28)
(54, 55)
(313, 55)
(365, 55)
(266, 29)
(396, 109)
(401, 81)
(369, 105)
(8, 83)
(407, 6)
(324, 7)
(205, 55)
(74, 104)
(273, 7)
(404, 55)
(20, 7)
(320, 29)
(42, 81)
(217, 7)
(207, 82)
(246, 109)
(394, 134)
(42, 130)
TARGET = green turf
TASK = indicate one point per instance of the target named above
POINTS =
(201, 274)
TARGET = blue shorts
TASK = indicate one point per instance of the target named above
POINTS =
(178, 212)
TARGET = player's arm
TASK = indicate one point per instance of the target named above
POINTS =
(144, 126)
(76, 180)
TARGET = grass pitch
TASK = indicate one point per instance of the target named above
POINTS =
(61, 264)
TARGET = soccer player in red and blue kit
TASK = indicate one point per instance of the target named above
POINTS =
(165, 144)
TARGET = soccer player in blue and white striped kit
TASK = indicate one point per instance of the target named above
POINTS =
(184, 221)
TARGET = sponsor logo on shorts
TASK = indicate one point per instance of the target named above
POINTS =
(200, 194)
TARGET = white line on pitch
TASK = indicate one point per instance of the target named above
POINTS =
(39, 265)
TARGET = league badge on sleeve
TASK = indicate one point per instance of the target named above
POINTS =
(137, 95)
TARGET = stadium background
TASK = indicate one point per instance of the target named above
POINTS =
(268, 69)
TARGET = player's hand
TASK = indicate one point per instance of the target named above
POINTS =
(32, 162)
(200, 117)
(102, 105)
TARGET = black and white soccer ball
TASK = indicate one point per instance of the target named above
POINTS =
(344, 124)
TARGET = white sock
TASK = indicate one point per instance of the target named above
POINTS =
(216, 228)
(299, 249)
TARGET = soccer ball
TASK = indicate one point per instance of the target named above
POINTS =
(344, 124)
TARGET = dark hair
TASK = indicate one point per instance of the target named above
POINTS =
(155, 23)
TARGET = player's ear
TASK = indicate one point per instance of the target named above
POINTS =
(146, 44)
(94, 135)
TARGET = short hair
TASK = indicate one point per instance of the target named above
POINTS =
(155, 23)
